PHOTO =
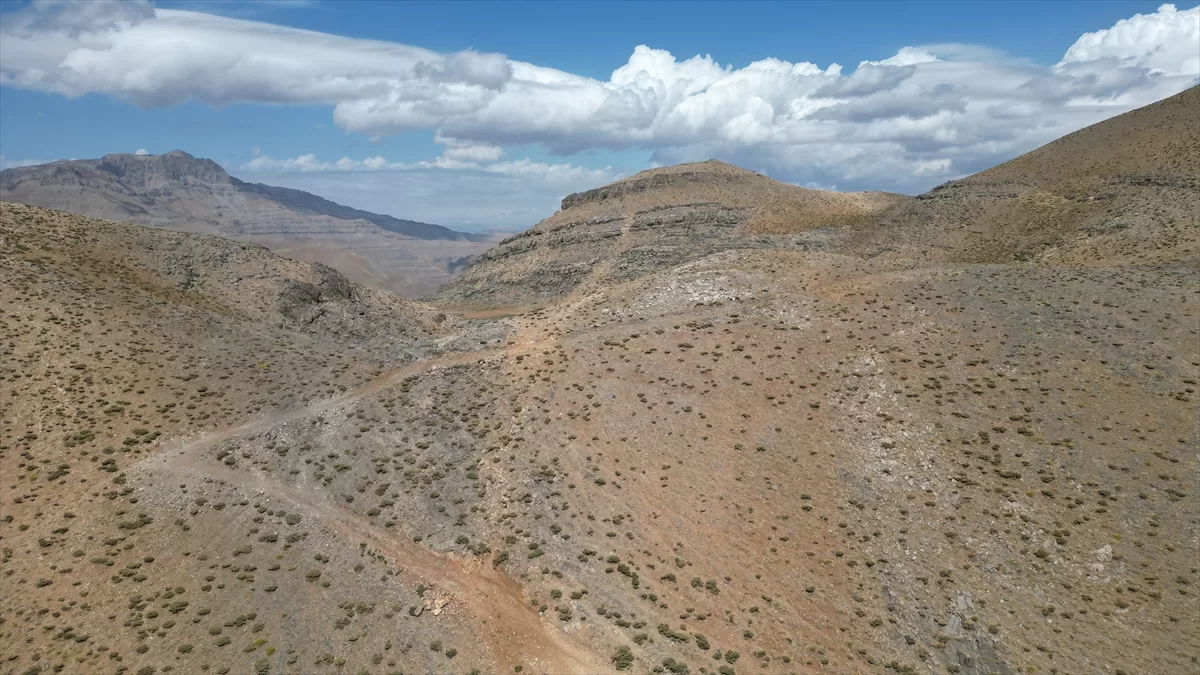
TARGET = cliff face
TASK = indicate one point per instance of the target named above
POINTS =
(181, 192)
(651, 221)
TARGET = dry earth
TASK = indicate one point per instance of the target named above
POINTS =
(772, 457)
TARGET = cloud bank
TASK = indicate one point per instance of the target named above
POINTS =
(6, 163)
(513, 196)
(467, 191)
(902, 122)
(550, 172)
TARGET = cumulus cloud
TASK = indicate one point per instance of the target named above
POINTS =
(902, 122)
(468, 152)
(157, 57)
(1166, 42)
(141, 151)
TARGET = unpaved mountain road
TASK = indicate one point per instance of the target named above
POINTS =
(513, 632)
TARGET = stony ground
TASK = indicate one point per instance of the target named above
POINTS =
(771, 460)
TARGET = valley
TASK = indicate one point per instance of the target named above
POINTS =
(180, 192)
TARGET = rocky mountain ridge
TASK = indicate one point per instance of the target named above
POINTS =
(651, 221)
(182, 192)
(1123, 191)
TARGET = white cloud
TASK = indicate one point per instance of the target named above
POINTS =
(308, 162)
(907, 56)
(903, 122)
(1173, 38)
(141, 151)
(6, 163)
(156, 57)
(503, 194)
(474, 153)
(555, 173)
(551, 172)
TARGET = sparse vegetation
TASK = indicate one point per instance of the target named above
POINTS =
(879, 445)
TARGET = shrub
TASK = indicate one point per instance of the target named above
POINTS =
(677, 667)
(623, 658)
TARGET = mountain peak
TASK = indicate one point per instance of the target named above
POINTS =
(160, 170)
(177, 190)
(651, 221)
(708, 171)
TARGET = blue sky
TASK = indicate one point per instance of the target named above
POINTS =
(926, 114)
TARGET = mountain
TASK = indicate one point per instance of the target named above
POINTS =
(803, 433)
(1123, 191)
(120, 343)
(304, 202)
(181, 192)
(651, 221)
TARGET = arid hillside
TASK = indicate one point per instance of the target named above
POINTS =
(190, 194)
(742, 453)
(120, 343)
(651, 221)
(1125, 191)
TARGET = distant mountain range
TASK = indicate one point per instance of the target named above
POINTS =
(181, 192)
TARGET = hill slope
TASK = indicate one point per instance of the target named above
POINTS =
(1123, 191)
(181, 192)
(651, 221)
(121, 343)
(769, 458)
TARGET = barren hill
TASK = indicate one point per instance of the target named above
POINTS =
(1123, 191)
(651, 221)
(190, 194)
(774, 456)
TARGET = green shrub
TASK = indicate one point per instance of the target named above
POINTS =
(623, 658)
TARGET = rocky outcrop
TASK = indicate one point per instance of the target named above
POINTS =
(652, 221)
(645, 181)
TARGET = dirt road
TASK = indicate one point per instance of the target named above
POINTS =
(512, 631)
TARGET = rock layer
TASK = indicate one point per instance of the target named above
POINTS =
(652, 221)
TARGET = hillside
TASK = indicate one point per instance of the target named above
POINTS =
(651, 221)
(716, 450)
(1123, 191)
(120, 342)
(181, 192)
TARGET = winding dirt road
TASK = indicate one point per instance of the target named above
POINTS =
(512, 632)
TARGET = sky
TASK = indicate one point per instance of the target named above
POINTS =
(481, 115)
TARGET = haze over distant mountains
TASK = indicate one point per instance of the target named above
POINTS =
(181, 192)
